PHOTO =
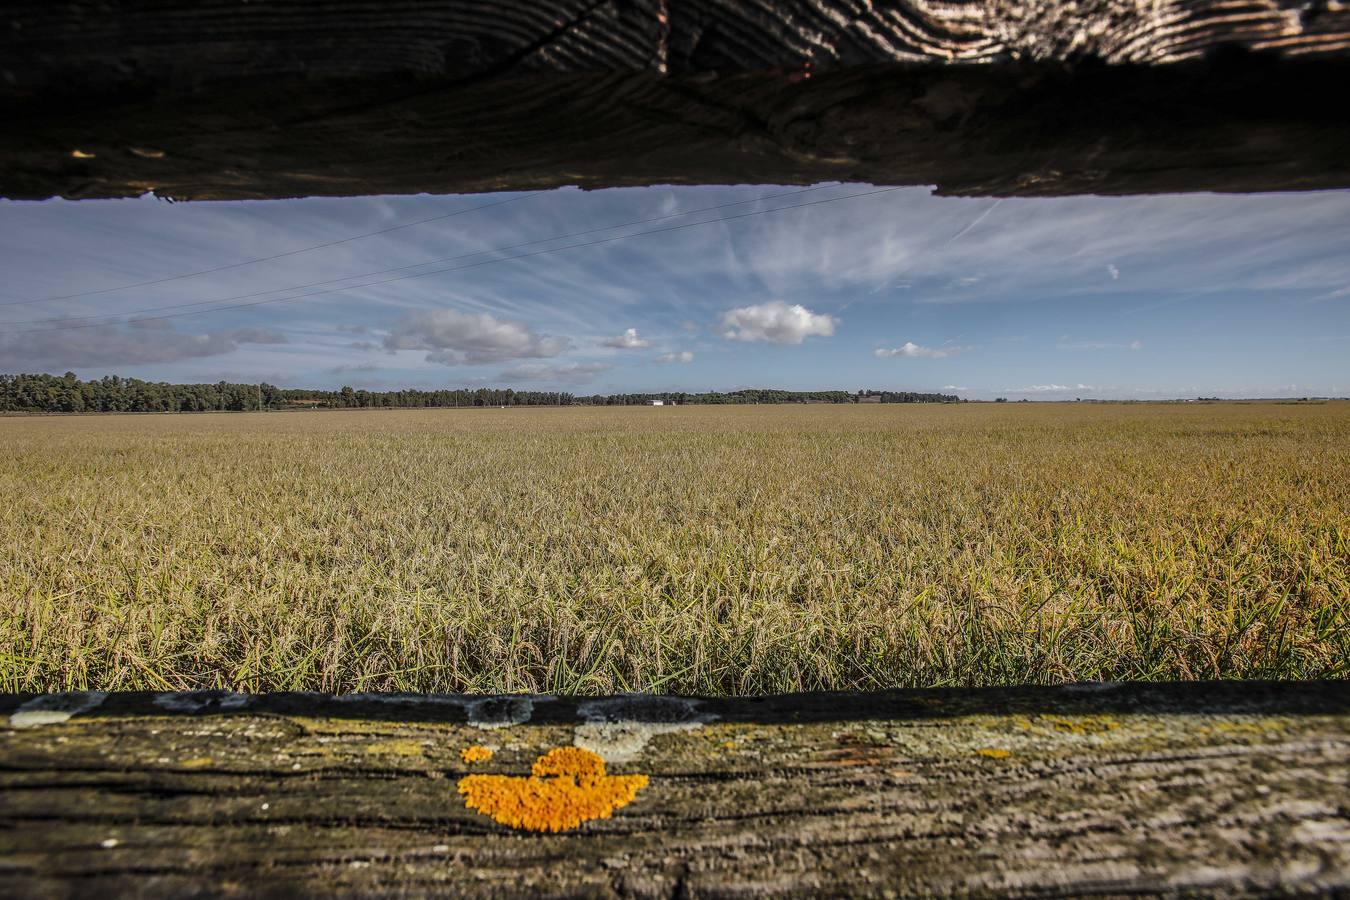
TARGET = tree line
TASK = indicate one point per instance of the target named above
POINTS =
(111, 393)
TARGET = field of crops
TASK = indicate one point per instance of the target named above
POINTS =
(682, 549)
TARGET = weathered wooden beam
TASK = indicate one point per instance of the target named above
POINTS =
(1189, 788)
(208, 99)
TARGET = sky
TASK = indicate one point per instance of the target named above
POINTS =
(838, 286)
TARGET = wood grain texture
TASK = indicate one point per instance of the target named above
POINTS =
(217, 99)
(1234, 789)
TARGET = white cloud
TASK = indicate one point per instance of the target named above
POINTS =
(629, 340)
(955, 387)
(914, 351)
(1113, 272)
(565, 373)
(457, 339)
(776, 322)
(681, 356)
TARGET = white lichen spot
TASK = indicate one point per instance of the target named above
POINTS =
(52, 709)
(495, 711)
(619, 728)
(441, 848)
(203, 701)
(108, 843)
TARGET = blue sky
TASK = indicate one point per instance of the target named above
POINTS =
(1163, 296)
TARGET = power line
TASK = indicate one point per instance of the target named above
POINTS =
(485, 262)
(249, 262)
(113, 316)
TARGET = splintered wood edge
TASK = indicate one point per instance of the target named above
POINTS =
(1201, 787)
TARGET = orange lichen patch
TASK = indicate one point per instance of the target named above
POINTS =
(568, 786)
(476, 753)
(994, 752)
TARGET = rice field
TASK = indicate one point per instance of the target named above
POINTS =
(711, 550)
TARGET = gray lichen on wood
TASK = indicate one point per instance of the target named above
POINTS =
(1209, 788)
(995, 97)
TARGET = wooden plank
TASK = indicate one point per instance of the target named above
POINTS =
(1207, 787)
(216, 99)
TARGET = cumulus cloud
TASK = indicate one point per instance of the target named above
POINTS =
(142, 342)
(629, 340)
(457, 339)
(677, 356)
(776, 322)
(955, 387)
(1113, 272)
(564, 373)
(914, 351)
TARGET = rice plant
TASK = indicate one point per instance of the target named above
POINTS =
(710, 550)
